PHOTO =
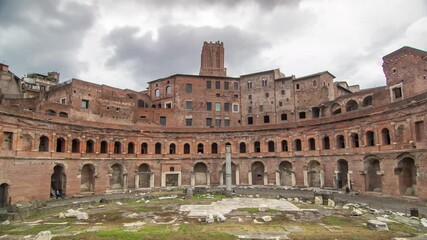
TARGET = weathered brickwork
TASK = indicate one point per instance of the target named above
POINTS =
(84, 138)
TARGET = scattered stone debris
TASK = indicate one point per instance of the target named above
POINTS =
(210, 218)
(263, 208)
(7, 222)
(267, 218)
(132, 215)
(293, 229)
(220, 218)
(78, 214)
(377, 225)
(168, 197)
(134, 224)
(119, 203)
(356, 212)
(423, 222)
(331, 203)
(44, 235)
(318, 200)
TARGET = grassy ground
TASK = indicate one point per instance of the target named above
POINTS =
(107, 223)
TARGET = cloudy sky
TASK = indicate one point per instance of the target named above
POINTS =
(127, 43)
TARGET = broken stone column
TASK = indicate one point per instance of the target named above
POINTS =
(228, 168)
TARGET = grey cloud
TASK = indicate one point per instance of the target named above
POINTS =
(177, 49)
(44, 35)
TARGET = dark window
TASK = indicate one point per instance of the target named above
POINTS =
(264, 82)
(242, 147)
(283, 92)
(208, 106)
(249, 85)
(163, 120)
(200, 148)
(257, 147)
(397, 92)
(172, 148)
(158, 148)
(8, 141)
(188, 122)
(249, 96)
(131, 148)
(284, 146)
(271, 147)
(188, 88)
(217, 122)
(188, 105)
(267, 95)
(217, 85)
(297, 86)
(226, 85)
(117, 147)
(85, 104)
(236, 85)
(284, 116)
(141, 103)
(104, 147)
(249, 109)
(340, 141)
(186, 148)
(226, 122)
(208, 122)
(261, 108)
(90, 146)
(144, 148)
(326, 144)
(266, 119)
(208, 84)
(226, 107)
(301, 115)
(297, 145)
(214, 148)
(250, 120)
(312, 144)
(370, 139)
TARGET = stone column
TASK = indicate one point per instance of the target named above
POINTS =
(305, 178)
(277, 178)
(136, 180)
(228, 175)
(151, 180)
(322, 178)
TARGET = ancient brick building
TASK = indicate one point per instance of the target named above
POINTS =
(83, 138)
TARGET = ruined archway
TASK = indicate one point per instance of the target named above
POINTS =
(87, 178)
(233, 174)
(58, 181)
(258, 171)
(116, 179)
(286, 173)
(4, 194)
(407, 175)
(373, 180)
(200, 174)
(342, 174)
(144, 175)
(313, 174)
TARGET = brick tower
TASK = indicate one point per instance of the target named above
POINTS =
(212, 63)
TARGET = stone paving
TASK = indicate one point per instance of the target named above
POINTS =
(264, 235)
(225, 206)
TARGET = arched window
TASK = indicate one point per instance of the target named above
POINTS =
(131, 148)
(75, 146)
(172, 148)
(104, 147)
(157, 93)
(90, 146)
(63, 114)
(144, 148)
(367, 101)
(351, 106)
(60, 145)
(312, 144)
(266, 119)
(354, 140)
(186, 148)
(340, 141)
(385, 136)
(242, 147)
(117, 147)
(326, 143)
(297, 145)
(257, 147)
(158, 148)
(50, 112)
(214, 148)
(370, 139)
(271, 147)
(168, 90)
(285, 147)
(200, 148)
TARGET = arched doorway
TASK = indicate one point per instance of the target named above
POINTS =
(116, 180)
(58, 182)
(407, 173)
(373, 180)
(286, 172)
(200, 174)
(144, 175)
(342, 168)
(257, 170)
(4, 194)
(233, 174)
(313, 174)
(87, 178)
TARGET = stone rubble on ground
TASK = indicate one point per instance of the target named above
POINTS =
(7, 222)
(220, 218)
(267, 218)
(78, 214)
(263, 208)
(44, 235)
(423, 222)
(210, 218)
(119, 203)
(318, 200)
(377, 225)
(134, 224)
(356, 212)
(331, 203)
